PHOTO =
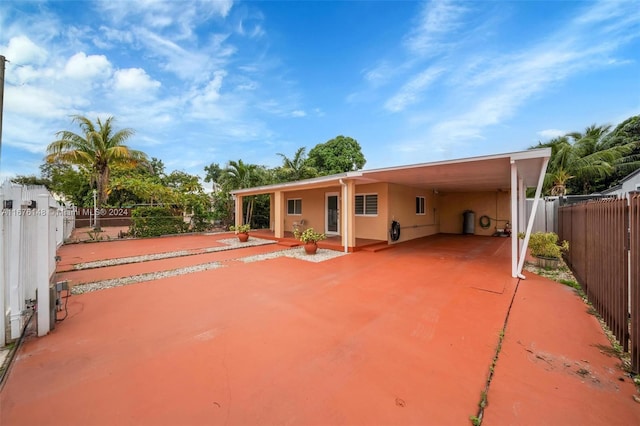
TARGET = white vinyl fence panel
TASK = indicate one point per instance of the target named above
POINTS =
(546, 215)
(33, 226)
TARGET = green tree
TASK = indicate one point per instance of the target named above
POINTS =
(239, 175)
(338, 155)
(625, 133)
(30, 180)
(581, 162)
(296, 168)
(213, 174)
(95, 151)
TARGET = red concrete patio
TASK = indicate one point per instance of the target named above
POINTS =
(402, 336)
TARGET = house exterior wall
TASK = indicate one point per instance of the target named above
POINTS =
(402, 207)
(496, 205)
(373, 227)
(632, 184)
(313, 208)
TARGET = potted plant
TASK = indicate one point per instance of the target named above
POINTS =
(545, 248)
(310, 239)
(242, 231)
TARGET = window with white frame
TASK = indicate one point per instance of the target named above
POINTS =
(366, 204)
(420, 205)
(294, 206)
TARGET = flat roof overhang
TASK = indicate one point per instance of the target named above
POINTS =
(475, 174)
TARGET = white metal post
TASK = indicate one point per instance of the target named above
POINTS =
(532, 216)
(514, 219)
(42, 273)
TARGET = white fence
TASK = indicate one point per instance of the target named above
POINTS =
(33, 225)
(546, 219)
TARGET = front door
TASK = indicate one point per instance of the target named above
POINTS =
(332, 214)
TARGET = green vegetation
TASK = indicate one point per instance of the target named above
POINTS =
(240, 229)
(338, 155)
(593, 160)
(155, 221)
(309, 235)
(545, 245)
(99, 148)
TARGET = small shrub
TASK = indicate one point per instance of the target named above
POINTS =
(240, 229)
(155, 221)
(309, 235)
(545, 244)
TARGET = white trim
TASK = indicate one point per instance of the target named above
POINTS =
(294, 207)
(514, 219)
(326, 212)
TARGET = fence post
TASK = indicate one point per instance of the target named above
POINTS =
(14, 246)
(42, 272)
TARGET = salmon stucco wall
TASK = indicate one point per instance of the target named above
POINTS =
(402, 208)
(373, 227)
(313, 208)
(495, 205)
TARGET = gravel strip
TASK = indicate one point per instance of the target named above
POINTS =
(293, 253)
(134, 279)
(230, 244)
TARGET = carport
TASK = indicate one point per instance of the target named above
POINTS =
(339, 201)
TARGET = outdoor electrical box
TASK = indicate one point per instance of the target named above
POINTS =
(52, 307)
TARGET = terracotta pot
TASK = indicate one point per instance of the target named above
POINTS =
(311, 248)
(243, 237)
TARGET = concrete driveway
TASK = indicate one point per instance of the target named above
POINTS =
(400, 336)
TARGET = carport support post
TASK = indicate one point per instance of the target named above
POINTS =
(514, 219)
(532, 216)
(278, 210)
(238, 208)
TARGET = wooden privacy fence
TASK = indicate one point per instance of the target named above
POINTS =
(32, 226)
(604, 253)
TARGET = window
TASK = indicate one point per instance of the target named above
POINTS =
(366, 204)
(419, 205)
(294, 206)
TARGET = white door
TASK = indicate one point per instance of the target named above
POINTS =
(332, 214)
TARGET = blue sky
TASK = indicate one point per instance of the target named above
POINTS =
(213, 81)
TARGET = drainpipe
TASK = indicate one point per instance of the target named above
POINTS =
(344, 215)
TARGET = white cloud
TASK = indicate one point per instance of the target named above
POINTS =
(298, 113)
(178, 17)
(205, 101)
(83, 67)
(21, 50)
(134, 80)
(40, 102)
(437, 20)
(411, 92)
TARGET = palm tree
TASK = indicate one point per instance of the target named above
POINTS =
(238, 175)
(297, 167)
(96, 150)
(585, 157)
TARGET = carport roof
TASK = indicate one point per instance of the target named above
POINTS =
(485, 173)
